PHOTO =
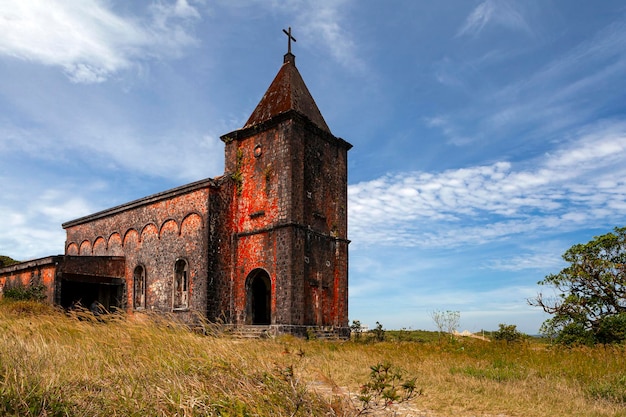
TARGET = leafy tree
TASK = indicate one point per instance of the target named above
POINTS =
(591, 303)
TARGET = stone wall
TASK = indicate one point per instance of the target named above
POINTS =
(220, 254)
(289, 218)
(31, 273)
(153, 233)
(52, 270)
(324, 212)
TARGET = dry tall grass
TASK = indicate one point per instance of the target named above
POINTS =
(52, 364)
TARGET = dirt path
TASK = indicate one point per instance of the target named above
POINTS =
(405, 409)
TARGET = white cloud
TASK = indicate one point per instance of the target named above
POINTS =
(88, 40)
(32, 217)
(541, 261)
(579, 185)
(326, 21)
(166, 11)
(201, 157)
(501, 12)
(176, 154)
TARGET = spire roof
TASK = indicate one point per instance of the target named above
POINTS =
(287, 92)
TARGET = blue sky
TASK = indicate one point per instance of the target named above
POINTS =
(489, 136)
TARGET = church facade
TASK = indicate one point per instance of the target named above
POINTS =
(263, 244)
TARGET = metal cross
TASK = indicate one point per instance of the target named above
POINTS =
(290, 38)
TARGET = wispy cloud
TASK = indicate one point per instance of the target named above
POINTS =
(163, 156)
(499, 12)
(326, 21)
(118, 146)
(561, 94)
(540, 261)
(87, 39)
(32, 218)
(580, 185)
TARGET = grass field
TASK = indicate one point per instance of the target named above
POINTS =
(53, 364)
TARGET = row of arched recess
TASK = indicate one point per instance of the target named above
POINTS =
(113, 243)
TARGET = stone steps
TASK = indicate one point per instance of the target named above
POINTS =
(252, 332)
(267, 331)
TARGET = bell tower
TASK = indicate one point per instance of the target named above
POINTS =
(288, 215)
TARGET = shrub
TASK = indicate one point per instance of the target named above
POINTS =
(356, 329)
(385, 387)
(30, 293)
(379, 332)
(508, 333)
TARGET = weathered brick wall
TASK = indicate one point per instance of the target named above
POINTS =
(253, 166)
(289, 213)
(323, 208)
(154, 233)
(106, 266)
(31, 273)
(220, 254)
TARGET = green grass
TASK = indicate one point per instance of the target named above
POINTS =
(53, 364)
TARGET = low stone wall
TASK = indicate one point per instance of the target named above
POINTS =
(29, 274)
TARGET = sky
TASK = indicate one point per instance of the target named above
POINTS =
(489, 136)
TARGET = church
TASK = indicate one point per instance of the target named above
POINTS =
(264, 244)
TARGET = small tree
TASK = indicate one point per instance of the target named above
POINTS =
(591, 303)
(446, 321)
(386, 387)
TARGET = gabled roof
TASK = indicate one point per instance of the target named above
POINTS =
(287, 92)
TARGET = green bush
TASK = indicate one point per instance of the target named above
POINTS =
(379, 332)
(356, 329)
(507, 333)
(30, 293)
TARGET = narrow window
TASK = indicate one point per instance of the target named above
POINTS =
(181, 284)
(139, 284)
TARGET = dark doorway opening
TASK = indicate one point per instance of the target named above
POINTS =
(259, 295)
(107, 292)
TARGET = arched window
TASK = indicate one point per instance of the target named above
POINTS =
(139, 287)
(181, 284)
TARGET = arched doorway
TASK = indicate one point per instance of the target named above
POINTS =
(258, 297)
